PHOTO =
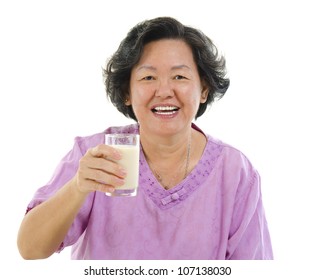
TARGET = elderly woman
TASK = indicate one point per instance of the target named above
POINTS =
(198, 198)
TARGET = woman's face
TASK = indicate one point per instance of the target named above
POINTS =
(165, 88)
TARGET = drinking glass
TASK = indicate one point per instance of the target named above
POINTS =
(129, 147)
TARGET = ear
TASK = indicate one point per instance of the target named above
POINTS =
(204, 92)
(127, 101)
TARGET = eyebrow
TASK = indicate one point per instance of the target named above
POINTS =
(181, 67)
(146, 67)
(149, 67)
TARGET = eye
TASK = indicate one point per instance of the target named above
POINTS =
(179, 77)
(148, 78)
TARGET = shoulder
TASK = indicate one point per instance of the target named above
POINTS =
(226, 148)
(230, 159)
(233, 170)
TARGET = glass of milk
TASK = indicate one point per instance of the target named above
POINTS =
(129, 147)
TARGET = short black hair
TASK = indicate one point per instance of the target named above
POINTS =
(211, 65)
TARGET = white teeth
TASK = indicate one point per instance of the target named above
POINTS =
(165, 108)
(165, 113)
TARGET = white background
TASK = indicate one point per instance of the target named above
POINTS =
(51, 56)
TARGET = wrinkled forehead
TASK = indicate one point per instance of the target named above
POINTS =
(176, 53)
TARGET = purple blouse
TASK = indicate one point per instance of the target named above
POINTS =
(216, 212)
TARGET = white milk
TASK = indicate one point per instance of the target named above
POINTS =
(130, 162)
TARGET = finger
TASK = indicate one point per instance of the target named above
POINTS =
(105, 151)
(102, 177)
(102, 187)
(106, 189)
(107, 166)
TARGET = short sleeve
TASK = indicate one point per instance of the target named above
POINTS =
(65, 171)
(249, 237)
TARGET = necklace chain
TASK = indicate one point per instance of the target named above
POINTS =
(187, 160)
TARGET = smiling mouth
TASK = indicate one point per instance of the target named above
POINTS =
(165, 110)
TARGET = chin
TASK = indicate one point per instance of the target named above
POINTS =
(165, 128)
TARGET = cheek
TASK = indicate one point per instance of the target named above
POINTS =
(138, 98)
(193, 96)
(140, 95)
(195, 102)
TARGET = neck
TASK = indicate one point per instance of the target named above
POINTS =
(168, 157)
(168, 148)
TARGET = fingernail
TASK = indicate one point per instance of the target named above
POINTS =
(117, 155)
(120, 181)
(122, 172)
(111, 189)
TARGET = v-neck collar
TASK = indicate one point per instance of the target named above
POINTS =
(166, 199)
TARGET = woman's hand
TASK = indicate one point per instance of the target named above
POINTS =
(39, 236)
(98, 170)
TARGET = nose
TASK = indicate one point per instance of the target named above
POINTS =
(164, 89)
